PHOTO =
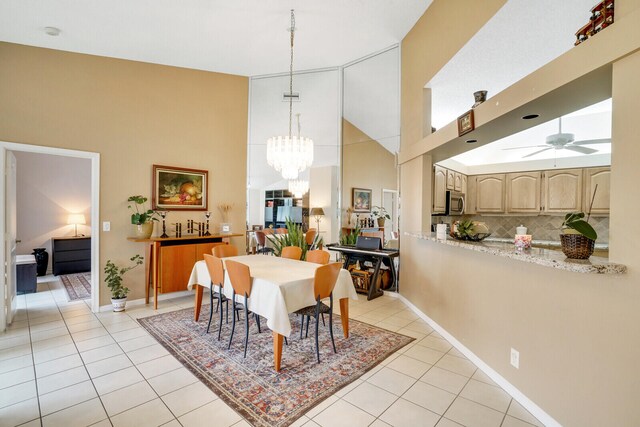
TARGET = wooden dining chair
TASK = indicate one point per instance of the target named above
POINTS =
(324, 281)
(310, 236)
(318, 256)
(224, 251)
(240, 278)
(281, 230)
(261, 236)
(216, 272)
(291, 252)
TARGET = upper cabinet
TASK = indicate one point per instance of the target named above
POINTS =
(490, 193)
(463, 185)
(523, 192)
(602, 178)
(562, 190)
(451, 180)
(439, 189)
(457, 182)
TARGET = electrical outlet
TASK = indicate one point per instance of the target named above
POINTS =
(106, 226)
(515, 358)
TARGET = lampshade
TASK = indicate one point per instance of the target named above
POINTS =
(317, 212)
(76, 219)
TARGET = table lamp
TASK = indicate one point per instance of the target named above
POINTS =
(318, 213)
(76, 219)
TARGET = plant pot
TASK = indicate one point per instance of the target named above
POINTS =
(143, 231)
(118, 304)
(42, 260)
(577, 246)
(381, 222)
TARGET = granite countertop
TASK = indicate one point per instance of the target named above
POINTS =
(545, 257)
(554, 243)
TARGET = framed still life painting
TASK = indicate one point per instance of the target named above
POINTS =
(177, 188)
(361, 200)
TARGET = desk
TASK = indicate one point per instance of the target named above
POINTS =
(169, 260)
(280, 286)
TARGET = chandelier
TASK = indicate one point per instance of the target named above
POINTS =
(290, 155)
(298, 187)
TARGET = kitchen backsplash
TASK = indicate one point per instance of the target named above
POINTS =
(540, 227)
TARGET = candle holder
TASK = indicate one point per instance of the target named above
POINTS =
(207, 215)
(163, 215)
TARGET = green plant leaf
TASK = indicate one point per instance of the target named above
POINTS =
(584, 228)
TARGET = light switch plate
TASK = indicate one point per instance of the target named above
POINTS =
(106, 226)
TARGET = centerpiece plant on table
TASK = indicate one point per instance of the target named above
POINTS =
(578, 237)
(293, 237)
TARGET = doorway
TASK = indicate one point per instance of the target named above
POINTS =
(390, 204)
(8, 197)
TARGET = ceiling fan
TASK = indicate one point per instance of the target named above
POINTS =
(564, 141)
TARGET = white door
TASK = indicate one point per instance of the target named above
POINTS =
(390, 203)
(10, 303)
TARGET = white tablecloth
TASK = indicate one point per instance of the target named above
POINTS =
(280, 286)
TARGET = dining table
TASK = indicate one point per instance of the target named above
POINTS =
(280, 286)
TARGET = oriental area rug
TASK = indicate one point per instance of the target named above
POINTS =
(78, 286)
(251, 386)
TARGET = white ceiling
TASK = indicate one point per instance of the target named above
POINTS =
(246, 37)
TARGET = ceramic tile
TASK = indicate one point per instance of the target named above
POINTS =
(83, 414)
(391, 381)
(94, 343)
(370, 398)
(343, 414)
(17, 393)
(106, 366)
(54, 353)
(100, 353)
(199, 395)
(153, 413)
(129, 334)
(66, 397)
(17, 376)
(435, 343)
(379, 423)
(510, 421)
(21, 339)
(445, 380)
(128, 397)
(51, 343)
(457, 365)
(409, 366)
(444, 422)
(518, 411)
(217, 410)
(455, 352)
(424, 354)
(142, 343)
(62, 379)
(166, 383)
(488, 395)
(121, 326)
(89, 334)
(20, 413)
(14, 363)
(158, 366)
(466, 412)
(78, 327)
(79, 319)
(343, 391)
(50, 333)
(321, 406)
(406, 414)
(115, 380)
(12, 352)
(429, 397)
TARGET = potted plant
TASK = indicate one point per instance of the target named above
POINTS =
(113, 280)
(578, 236)
(141, 217)
(380, 214)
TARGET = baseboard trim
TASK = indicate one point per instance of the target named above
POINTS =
(527, 403)
(140, 301)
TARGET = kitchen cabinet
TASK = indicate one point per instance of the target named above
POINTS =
(457, 182)
(562, 191)
(470, 195)
(490, 193)
(464, 186)
(523, 192)
(602, 178)
(439, 189)
(451, 180)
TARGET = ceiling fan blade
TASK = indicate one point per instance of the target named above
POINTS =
(537, 152)
(592, 141)
(583, 150)
(527, 146)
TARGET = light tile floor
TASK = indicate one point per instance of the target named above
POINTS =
(61, 365)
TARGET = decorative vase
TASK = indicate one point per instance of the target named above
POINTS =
(144, 231)
(577, 246)
(118, 303)
(42, 260)
(381, 221)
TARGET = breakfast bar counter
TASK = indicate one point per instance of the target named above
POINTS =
(545, 257)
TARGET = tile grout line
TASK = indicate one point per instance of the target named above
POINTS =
(33, 360)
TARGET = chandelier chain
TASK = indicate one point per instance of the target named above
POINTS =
(293, 30)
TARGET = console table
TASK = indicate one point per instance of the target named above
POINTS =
(169, 261)
(71, 255)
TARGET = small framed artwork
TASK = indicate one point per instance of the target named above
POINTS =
(466, 123)
(181, 189)
(361, 200)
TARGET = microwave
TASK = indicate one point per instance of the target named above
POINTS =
(455, 203)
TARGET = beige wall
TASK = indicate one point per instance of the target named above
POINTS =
(48, 189)
(135, 115)
(365, 164)
(577, 334)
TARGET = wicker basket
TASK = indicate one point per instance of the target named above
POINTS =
(577, 246)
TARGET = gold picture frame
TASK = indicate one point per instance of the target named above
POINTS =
(466, 123)
(182, 189)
